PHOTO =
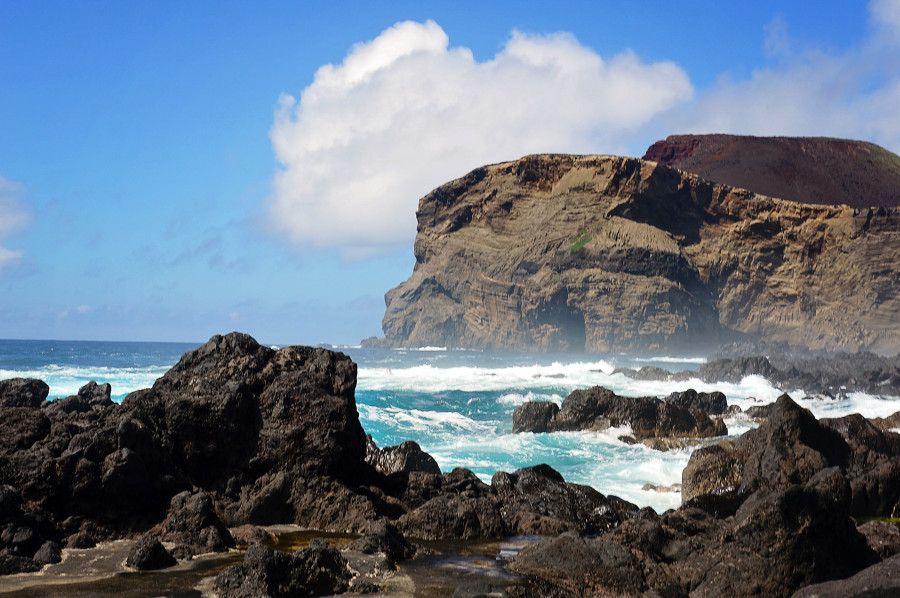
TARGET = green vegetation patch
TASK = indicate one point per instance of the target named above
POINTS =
(884, 519)
(580, 241)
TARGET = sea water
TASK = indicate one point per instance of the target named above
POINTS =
(458, 405)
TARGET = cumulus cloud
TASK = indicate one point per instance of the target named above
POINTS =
(851, 94)
(406, 112)
(13, 217)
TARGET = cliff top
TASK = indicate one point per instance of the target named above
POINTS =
(816, 170)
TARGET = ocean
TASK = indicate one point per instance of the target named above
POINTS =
(458, 405)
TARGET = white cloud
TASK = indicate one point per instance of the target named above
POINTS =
(406, 112)
(13, 217)
(886, 18)
(852, 94)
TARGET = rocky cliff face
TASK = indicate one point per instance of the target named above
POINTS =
(601, 253)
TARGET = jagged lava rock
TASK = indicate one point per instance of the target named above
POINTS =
(149, 554)
(318, 570)
(605, 254)
(537, 500)
(406, 457)
(681, 415)
(784, 523)
(23, 392)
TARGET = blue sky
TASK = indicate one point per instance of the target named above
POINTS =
(173, 170)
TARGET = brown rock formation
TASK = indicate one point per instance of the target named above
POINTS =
(601, 253)
(815, 170)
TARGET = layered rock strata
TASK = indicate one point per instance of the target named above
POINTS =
(602, 253)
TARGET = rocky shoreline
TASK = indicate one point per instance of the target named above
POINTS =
(238, 436)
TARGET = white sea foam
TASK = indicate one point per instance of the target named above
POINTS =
(66, 380)
(428, 378)
(516, 399)
(669, 359)
(424, 421)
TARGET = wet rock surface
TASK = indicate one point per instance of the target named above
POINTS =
(318, 570)
(149, 554)
(406, 457)
(652, 420)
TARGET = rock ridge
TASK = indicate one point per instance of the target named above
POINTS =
(602, 254)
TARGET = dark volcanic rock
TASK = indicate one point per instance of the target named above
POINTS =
(878, 581)
(459, 506)
(537, 500)
(534, 416)
(149, 554)
(23, 392)
(49, 553)
(382, 536)
(570, 565)
(91, 396)
(21, 535)
(318, 570)
(406, 457)
(257, 427)
(882, 537)
(763, 516)
(711, 470)
(680, 416)
(193, 526)
(710, 403)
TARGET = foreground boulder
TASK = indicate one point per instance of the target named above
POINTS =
(383, 537)
(318, 570)
(651, 420)
(149, 554)
(193, 526)
(791, 447)
(538, 501)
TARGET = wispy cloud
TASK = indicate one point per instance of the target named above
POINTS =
(13, 217)
(406, 112)
(811, 91)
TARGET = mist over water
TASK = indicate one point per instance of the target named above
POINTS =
(458, 405)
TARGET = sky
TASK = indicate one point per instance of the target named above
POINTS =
(174, 170)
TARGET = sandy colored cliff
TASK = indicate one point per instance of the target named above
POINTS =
(603, 253)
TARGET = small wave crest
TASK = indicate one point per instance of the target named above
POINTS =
(428, 378)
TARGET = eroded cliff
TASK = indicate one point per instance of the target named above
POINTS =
(603, 253)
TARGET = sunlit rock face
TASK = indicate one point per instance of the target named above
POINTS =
(603, 253)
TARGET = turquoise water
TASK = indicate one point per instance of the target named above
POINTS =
(458, 404)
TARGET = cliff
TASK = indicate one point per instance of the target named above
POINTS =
(602, 253)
